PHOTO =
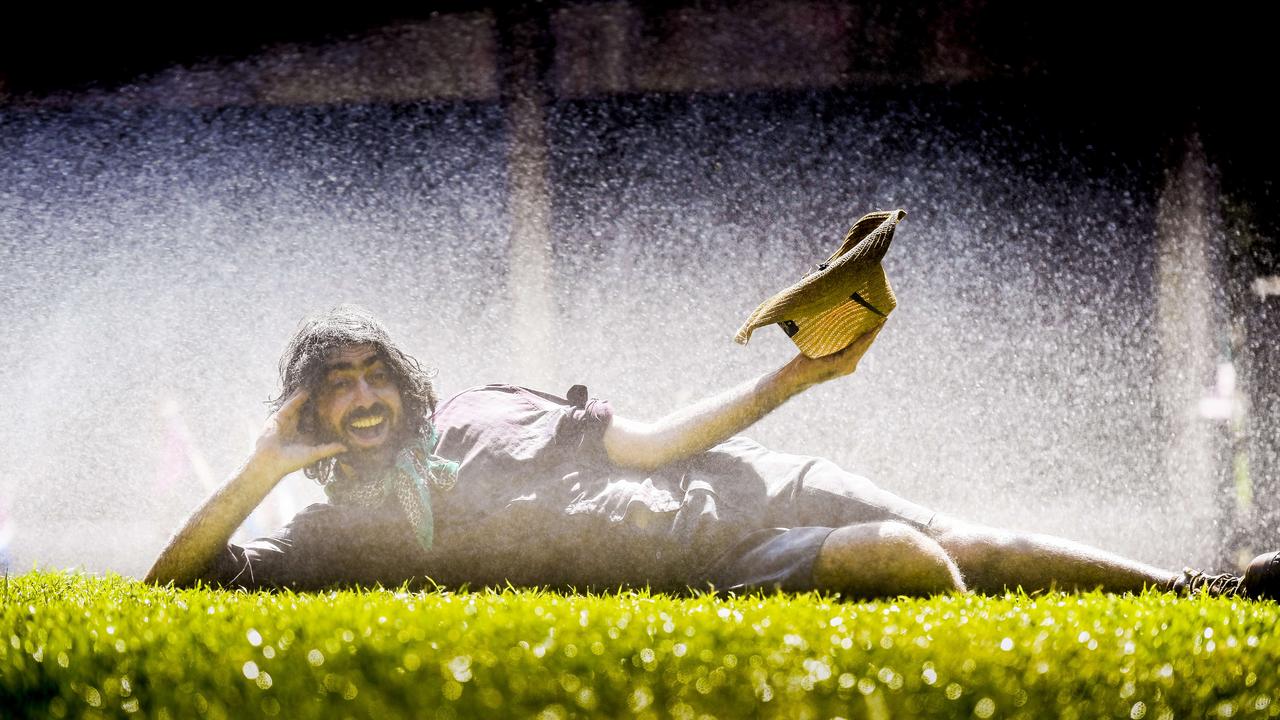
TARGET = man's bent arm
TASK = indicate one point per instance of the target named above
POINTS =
(686, 432)
(280, 450)
(207, 530)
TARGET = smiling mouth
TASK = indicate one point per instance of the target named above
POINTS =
(368, 428)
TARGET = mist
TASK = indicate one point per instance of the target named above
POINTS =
(158, 251)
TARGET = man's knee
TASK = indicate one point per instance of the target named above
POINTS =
(888, 558)
(975, 547)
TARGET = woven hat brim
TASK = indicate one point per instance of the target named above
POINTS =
(834, 329)
(853, 269)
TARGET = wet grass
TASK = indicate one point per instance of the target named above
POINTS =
(82, 646)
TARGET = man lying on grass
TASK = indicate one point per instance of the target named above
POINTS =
(502, 484)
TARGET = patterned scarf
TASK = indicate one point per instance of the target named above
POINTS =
(415, 469)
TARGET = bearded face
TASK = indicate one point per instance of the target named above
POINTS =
(359, 404)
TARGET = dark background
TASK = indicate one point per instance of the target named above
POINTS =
(1135, 72)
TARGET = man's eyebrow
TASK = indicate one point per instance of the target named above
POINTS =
(347, 365)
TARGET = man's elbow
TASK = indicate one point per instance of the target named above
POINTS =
(160, 575)
(634, 445)
(645, 462)
(165, 571)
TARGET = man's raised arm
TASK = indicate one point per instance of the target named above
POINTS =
(280, 450)
(686, 432)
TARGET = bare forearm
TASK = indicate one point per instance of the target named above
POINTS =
(699, 426)
(281, 449)
(207, 530)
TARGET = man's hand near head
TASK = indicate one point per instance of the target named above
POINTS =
(281, 448)
(649, 445)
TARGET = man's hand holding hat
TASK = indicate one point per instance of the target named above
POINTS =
(809, 371)
(844, 301)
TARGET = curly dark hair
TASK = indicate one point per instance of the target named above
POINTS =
(302, 365)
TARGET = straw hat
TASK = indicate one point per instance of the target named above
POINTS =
(839, 300)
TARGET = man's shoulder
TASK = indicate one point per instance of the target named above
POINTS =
(485, 390)
(497, 407)
(503, 396)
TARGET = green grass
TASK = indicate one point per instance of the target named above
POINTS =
(80, 646)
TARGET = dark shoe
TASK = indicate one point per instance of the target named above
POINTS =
(1193, 582)
(1262, 577)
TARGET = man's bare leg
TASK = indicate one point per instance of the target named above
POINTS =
(884, 559)
(992, 560)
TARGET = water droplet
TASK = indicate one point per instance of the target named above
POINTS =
(818, 669)
(255, 639)
(641, 698)
(250, 670)
(460, 668)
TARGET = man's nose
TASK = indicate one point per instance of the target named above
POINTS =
(364, 393)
